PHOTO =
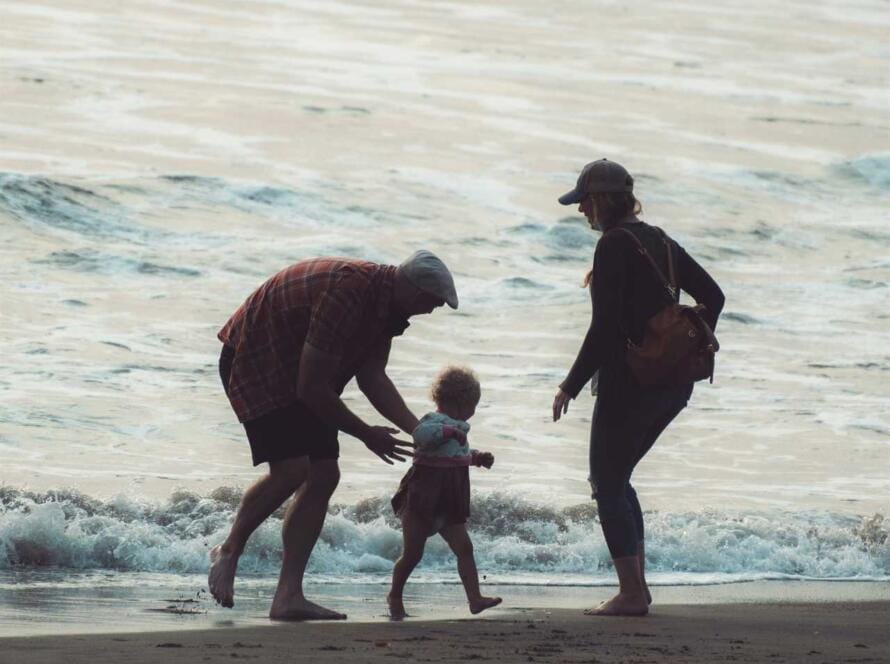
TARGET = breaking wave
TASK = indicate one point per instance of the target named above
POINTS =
(515, 540)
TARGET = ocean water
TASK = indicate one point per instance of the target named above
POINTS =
(158, 163)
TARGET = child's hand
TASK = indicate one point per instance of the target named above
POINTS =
(485, 459)
(449, 431)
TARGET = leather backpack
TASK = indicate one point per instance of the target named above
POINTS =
(678, 346)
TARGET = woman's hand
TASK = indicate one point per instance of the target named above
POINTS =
(560, 404)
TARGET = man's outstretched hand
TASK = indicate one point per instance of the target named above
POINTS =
(380, 441)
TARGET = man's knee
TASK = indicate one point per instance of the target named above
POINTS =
(324, 476)
(463, 549)
(290, 472)
(411, 556)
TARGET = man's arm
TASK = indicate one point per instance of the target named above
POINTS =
(383, 395)
(315, 388)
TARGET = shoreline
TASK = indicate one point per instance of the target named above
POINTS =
(781, 632)
(152, 604)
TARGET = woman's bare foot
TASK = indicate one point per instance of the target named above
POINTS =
(479, 605)
(621, 605)
(396, 607)
(221, 578)
(302, 609)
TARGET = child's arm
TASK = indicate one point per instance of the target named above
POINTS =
(430, 435)
(482, 459)
(449, 432)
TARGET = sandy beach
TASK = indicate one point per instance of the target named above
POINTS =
(841, 632)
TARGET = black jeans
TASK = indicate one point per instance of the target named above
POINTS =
(618, 440)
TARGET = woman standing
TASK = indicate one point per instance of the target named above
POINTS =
(628, 418)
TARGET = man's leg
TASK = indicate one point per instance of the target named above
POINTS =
(302, 526)
(259, 501)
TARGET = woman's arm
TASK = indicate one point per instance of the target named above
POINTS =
(604, 335)
(696, 281)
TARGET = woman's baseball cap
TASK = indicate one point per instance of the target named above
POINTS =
(599, 177)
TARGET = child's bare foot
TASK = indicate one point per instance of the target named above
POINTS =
(396, 607)
(479, 605)
(621, 605)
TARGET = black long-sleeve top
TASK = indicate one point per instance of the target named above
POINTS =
(626, 292)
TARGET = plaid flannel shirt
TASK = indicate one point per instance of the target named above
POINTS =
(338, 305)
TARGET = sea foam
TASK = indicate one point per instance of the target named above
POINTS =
(516, 540)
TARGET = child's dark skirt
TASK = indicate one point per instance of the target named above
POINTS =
(439, 496)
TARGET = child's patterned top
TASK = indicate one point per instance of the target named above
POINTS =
(440, 440)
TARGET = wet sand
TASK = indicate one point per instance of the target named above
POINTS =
(838, 632)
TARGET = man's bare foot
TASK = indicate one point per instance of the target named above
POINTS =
(302, 609)
(221, 578)
(479, 605)
(621, 605)
(396, 607)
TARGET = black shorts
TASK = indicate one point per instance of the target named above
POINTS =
(287, 433)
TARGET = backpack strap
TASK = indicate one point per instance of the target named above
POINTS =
(670, 255)
(667, 282)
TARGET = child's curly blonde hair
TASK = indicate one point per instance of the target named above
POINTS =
(456, 386)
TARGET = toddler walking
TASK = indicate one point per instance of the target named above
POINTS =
(434, 495)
